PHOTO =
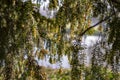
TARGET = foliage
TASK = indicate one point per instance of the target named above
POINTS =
(101, 73)
(22, 28)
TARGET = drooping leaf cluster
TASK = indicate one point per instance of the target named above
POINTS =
(23, 28)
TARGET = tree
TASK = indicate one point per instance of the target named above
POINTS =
(18, 31)
(23, 28)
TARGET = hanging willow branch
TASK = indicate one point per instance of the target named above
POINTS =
(108, 17)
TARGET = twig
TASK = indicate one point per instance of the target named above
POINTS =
(108, 17)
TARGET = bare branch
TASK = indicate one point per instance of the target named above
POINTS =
(108, 17)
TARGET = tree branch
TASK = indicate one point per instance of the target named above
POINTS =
(108, 17)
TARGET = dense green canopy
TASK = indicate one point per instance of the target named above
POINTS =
(22, 28)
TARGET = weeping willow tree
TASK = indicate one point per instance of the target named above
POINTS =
(22, 28)
(107, 11)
